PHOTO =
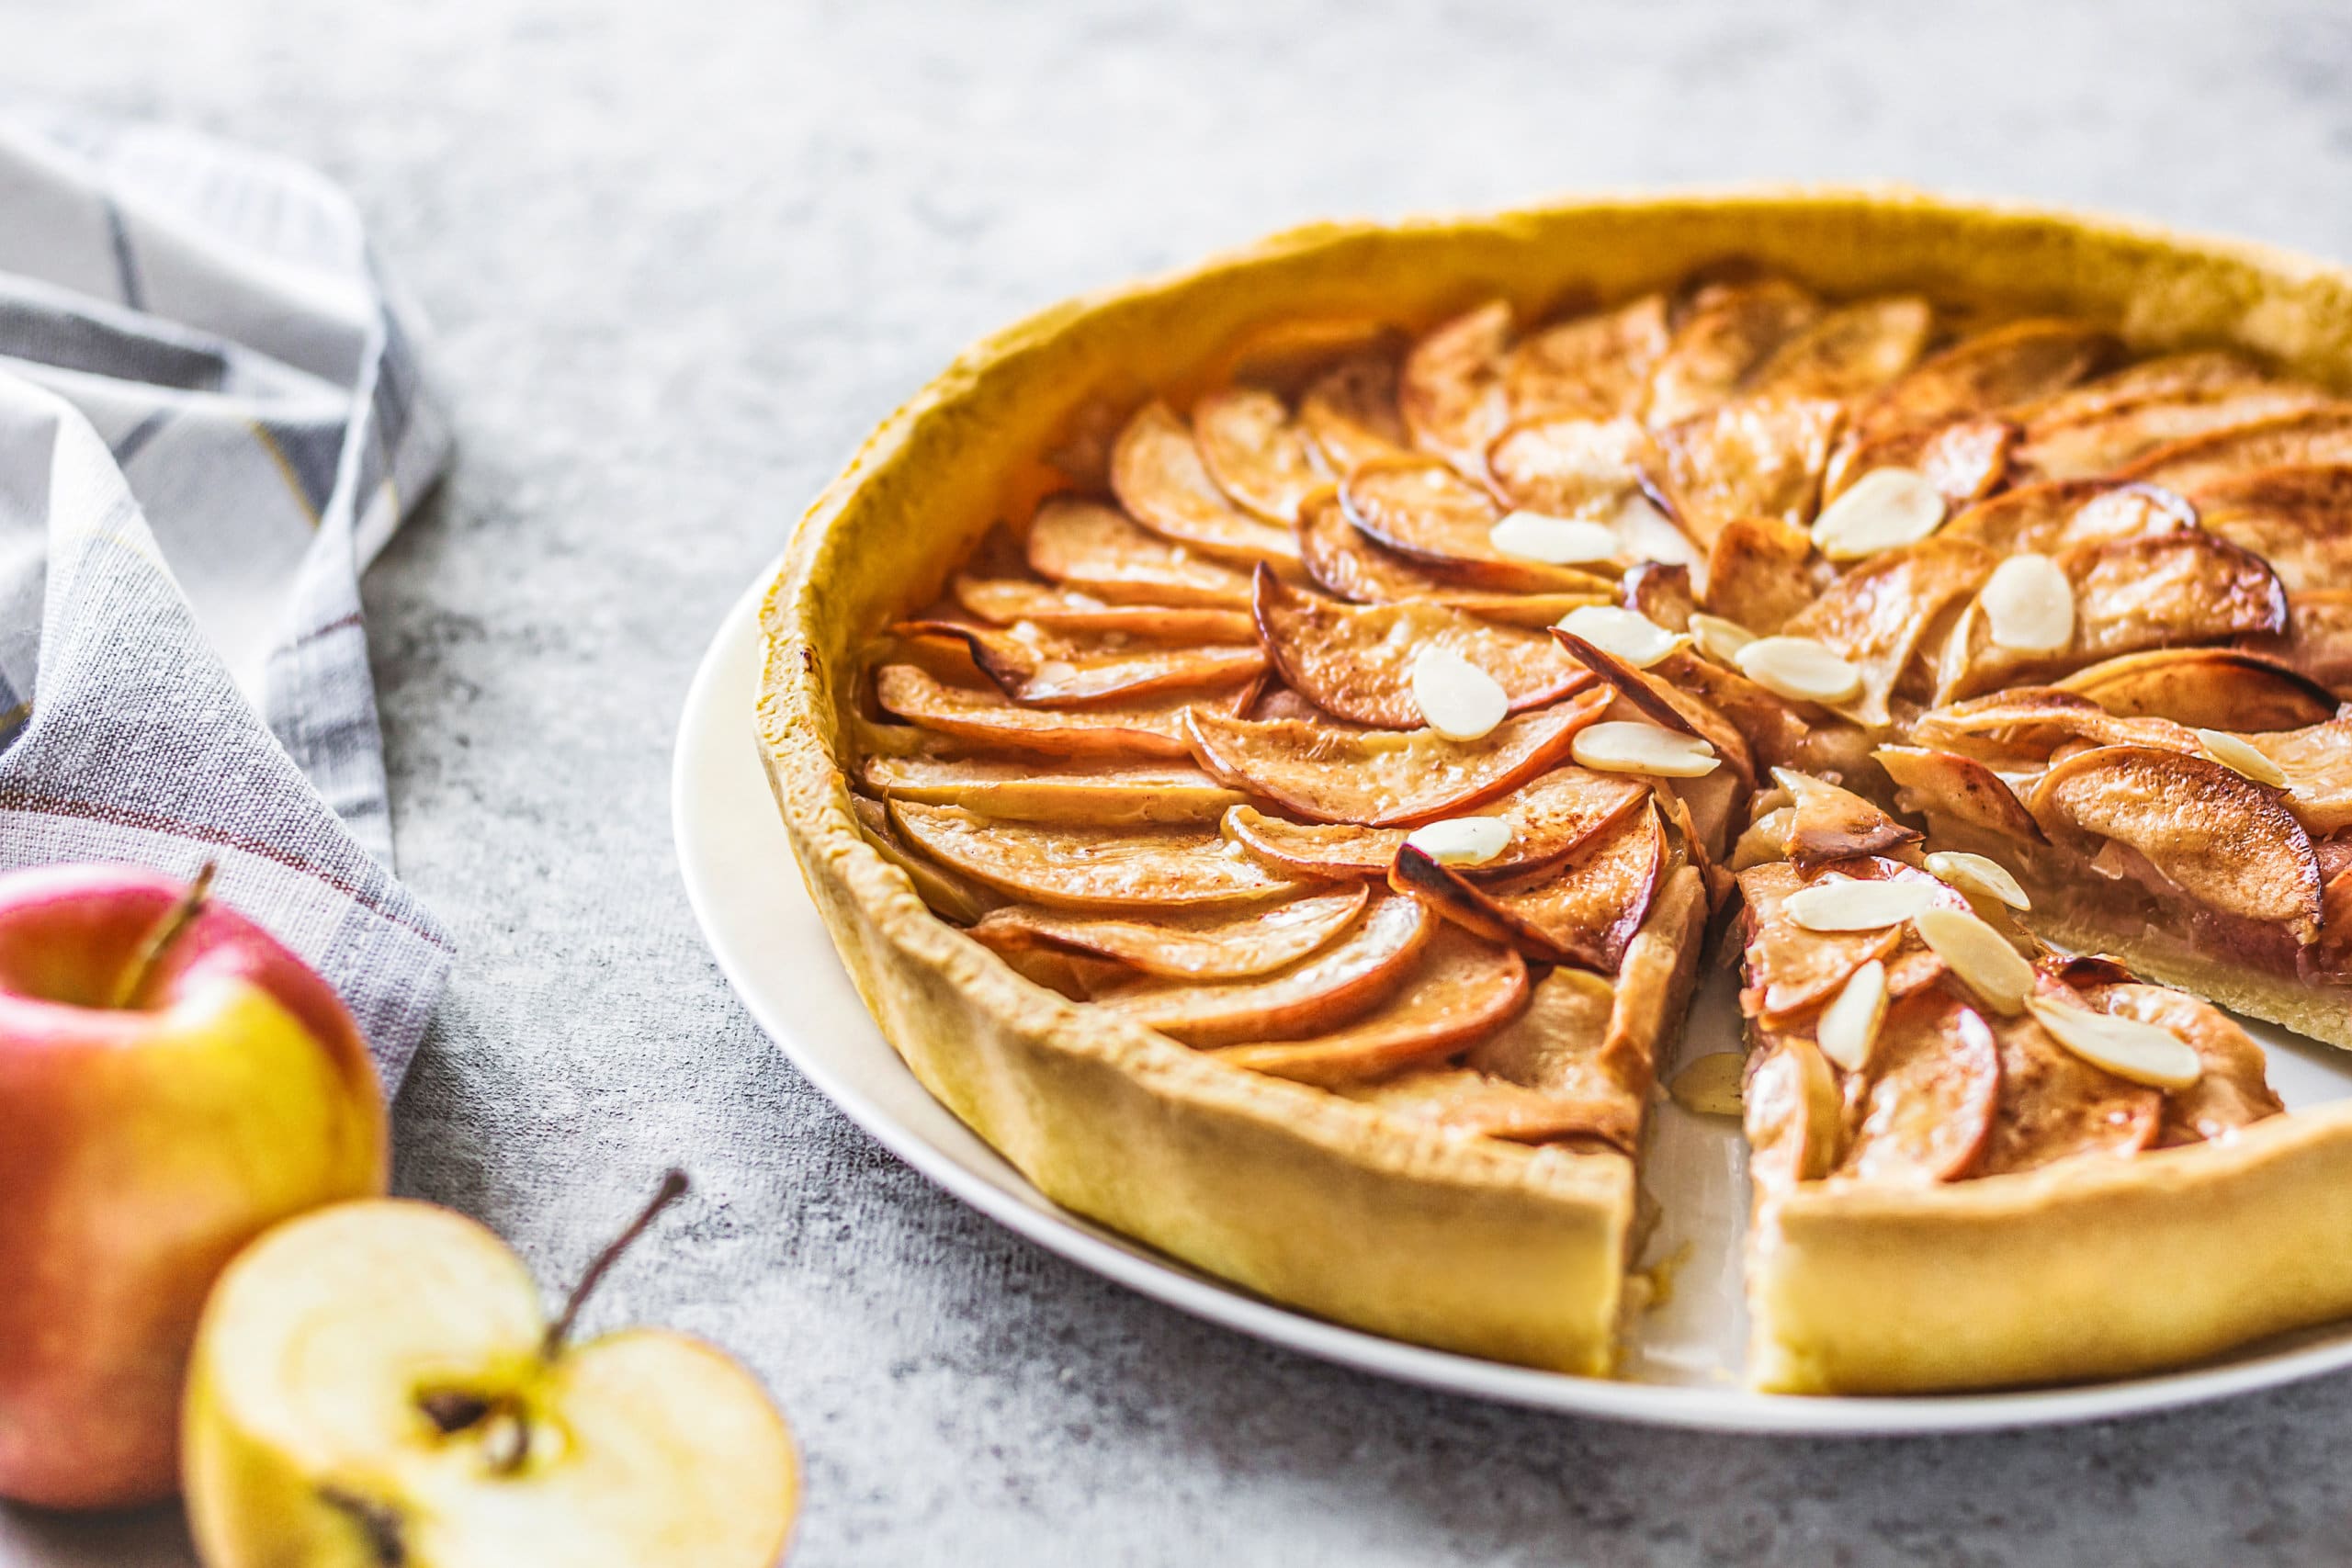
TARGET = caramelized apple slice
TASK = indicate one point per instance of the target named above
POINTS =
(1314, 848)
(2059, 514)
(1564, 467)
(1828, 823)
(1350, 415)
(1462, 990)
(1945, 784)
(1006, 602)
(2295, 517)
(1790, 968)
(953, 898)
(2221, 837)
(1443, 524)
(1161, 479)
(1791, 1112)
(2104, 442)
(2055, 1106)
(1988, 372)
(1347, 565)
(1217, 946)
(2173, 376)
(1964, 459)
(1451, 388)
(1761, 572)
(1583, 913)
(1464, 1100)
(1055, 676)
(1383, 779)
(1935, 1088)
(1314, 995)
(1098, 550)
(2026, 725)
(1357, 660)
(2233, 1091)
(1878, 615)
(2317, 761)
(1594, 366)
(1852, 350)
(1072, 866)
(2187, 467)
(1256, 452)
(2319, 637)
(1663, 704)
(988, 719)
(1729, 330)
(1746, 459)
(1106, 796)
(2206, 688)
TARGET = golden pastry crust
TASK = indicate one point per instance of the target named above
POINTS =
(1469, 1243)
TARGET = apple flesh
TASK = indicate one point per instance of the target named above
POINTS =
(374, 1386)
(142, 1142)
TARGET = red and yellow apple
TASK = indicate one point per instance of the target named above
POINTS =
(173, 1082)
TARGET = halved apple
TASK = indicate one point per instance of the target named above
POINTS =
(2293, 516)
(1257, 453)
(1933, 1096)
(1158, 476)
(1724, 331)
(1006, 602)
(1099, 550)
(1583, 913)
(1357, 660)
(1108, 797)
(1070, 865)
(1879, 615)
(1347, 565)
(2101, 443)
(2311, 435)
(1219, 945)
(1749, 458)
(2055, 1106)
(1590, 366)
(1076, 674)
(1314, 995)
(1443, 524)
(1350, 413)
(1380, 779)
(1848, 352)
(1451, 387)
(1138, 730)
(1461, 989)
(2206, 688)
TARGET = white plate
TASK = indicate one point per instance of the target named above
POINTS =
(1682, 1365)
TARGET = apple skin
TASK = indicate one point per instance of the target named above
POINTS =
(140, 1150)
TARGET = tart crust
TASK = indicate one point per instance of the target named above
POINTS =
(1471, 1244)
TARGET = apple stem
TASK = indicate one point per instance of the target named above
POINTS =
(160, 937)
(672, 1188)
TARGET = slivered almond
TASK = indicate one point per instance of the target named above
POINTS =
(2143, 1053)
(1800, 669)
(1629, 634)
(1462, 840)
(1884, 508)
(2029, 605)
(1709, 1085)
(1849, 1024)
(1629, 746)
(1980, 955)
(1718, 639)
(2236, 754)
(1555, 541)
(1459, 700)
(1848, 904)
(1978, 873)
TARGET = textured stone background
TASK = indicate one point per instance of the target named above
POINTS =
(681, 256)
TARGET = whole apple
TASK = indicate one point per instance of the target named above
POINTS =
(173, 1082)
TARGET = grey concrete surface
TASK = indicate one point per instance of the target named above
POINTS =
(681, 255)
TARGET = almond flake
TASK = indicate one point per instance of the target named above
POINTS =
(1884, 508)
(1462, 840)
(1629, 746)
(1849, 1024)
(1799, 668)
(1848, 904)
(1718, 639)
(1556, 541)
(1710, 1085)
(2236, 754)
(1647, 534)
(2029, 605)
(1980, 955)
(2127, 1047)
(1629, 634)
(1977, 874)
(1458, 699)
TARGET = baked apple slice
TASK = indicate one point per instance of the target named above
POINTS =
(1107, 796)
(1881, 614)
(2105, 441)
(1451, 387)
(1964, 460)
(1071, 674)
(2056, 1105)
(991, 720)
(1995, 370)
(1749, 458)
(1930, 1096)
(1097, 550)
(2233, 1089)
(1073, 866)
(1761, 572)
(2058, 514)
(1157, 473)
(1583, 913)
(1444, 525)
(1461, 990)
(1571, 466)
(2311, 435)
(2205, 688)
(1848, 352)
(1549, 818)
(1007, 602)
(2199, 372)
(1592, 366)
(1347, 566)
(1217, 946)
(2292, 516)
(1256, 452)
(1724, 331)
(1350, 415)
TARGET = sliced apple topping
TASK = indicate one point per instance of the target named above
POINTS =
(1727, 330)
(1593, 367)
(1159, 475)
(953, 897)
(1069, 865)
(1452, 390)
(1585, 469)
(1467, 1102)
(2104, 442)
(1315, 849)
(1632, 745)
(1629, 634)
(1462, 840)
(1216, 945)
(1884, 508)
(1986, 961)
(1313, 996)
(2056, 1105)
(1350, 413)
(1075, 675)
(1801, 670)
(1108, 797)
(1748, 459)
(1664, 705)
(2028, 606)
(1849, 351)
(1964, 460)
(1762, 572)
(1367, 662)
(1934, 1096)
(2231, 1089)
(1009, 601)
(1099, 550)
(1555, 541)
(1991, 370)
(2165, 376)
(1462, 990)
(1379, 779)
(1879, 616)
(1848, 1026)
(1583, 913)
(1440, 522)
(1827, 824)
(1978, 877)
(1349, 566)
(2292, 516)
(1256, 453)
(1790, 968)
(2142, 1053)
(2055, 517)
(2208, 688)
(2317, 763)
(1791, 1112)
(2191, 466)
(988, 719)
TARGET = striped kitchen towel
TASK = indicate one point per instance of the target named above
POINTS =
(210, 420)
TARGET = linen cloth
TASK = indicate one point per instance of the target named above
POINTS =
(210, 419)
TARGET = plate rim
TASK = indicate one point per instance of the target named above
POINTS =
(726, 670)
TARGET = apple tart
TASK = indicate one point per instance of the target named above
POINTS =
(1271, 746)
